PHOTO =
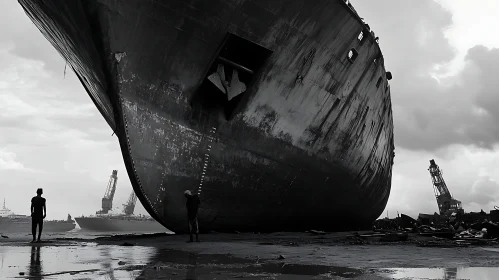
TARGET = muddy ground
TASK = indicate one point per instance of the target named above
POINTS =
(334, 249)
(284, 256)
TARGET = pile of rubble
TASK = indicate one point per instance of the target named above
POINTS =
(438, 231)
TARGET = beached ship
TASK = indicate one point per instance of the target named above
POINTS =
(11, 222)
(104, 220)
(277, 113)
(120, 223)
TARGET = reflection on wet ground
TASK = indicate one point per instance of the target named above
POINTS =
(73, 262)
(168, 264)
(471, 273)
(91, 261)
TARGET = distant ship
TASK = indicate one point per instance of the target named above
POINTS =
(11, 222)
(277, 113)
(125, 222)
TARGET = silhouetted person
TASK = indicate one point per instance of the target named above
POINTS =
(35, 264)
(38, 213)
(192, 213)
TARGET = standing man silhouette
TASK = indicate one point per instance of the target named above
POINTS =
(192, 205)
(38, 213)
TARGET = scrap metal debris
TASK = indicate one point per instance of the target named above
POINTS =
(316, 232)
(454, 230)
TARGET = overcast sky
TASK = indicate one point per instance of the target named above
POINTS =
(444, 92)
(51, 134)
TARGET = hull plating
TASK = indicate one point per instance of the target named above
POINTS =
(117, 224)
(308, 145)
(24, 225)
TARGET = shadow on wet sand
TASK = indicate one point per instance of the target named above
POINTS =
(92, 261)
(171, 264)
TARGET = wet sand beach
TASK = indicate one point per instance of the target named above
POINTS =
(242, 256)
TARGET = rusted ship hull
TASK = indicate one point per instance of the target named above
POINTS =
(119, 224)
(307, 145)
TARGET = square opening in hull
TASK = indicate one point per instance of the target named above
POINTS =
(231, 74)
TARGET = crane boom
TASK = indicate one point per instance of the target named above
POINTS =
(446, 203)
(129, 206)
(107, 200)
(439, 185)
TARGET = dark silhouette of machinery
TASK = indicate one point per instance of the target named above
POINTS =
(450, 273)
(446, 203)
(107, 200)
(129, 206)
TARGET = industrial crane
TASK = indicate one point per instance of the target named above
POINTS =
(446, 203)
(107, 200)
(129, 206)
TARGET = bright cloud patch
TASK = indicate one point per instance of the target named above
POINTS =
(51, 134)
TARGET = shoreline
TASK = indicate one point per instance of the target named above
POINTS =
(291, 244)
(309, 253)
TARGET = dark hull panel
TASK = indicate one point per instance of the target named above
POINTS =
(118, 225)
(308, 145)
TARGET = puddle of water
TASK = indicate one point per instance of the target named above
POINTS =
(168, 264)
(91, 261)
(73, 262)
(471, 273)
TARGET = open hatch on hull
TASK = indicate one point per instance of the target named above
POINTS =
(230, 74)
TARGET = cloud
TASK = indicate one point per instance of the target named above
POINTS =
(484, 191)
(464, 17)
(51, 134)
(432, 113)
(445, 101)
(8, 161)
(24, 39)
(470, 175)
